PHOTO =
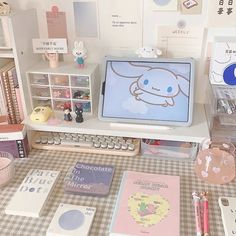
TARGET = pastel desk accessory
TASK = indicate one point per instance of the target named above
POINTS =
(71, 220)
(41, 114)
(6, 168)
(216, 165)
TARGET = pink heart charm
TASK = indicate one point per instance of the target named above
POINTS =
(204, 174)
(216, 170)
(199, 161)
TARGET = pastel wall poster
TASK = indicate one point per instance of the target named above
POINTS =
(86, 19)
(180, 41)
(164, 5)
(56, 23)
(222, 13)
(191, 7)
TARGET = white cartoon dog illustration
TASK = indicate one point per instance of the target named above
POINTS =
(153, 85)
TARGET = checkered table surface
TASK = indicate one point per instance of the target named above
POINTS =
(26, 226)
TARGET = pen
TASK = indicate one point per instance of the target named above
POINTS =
(197, 212)
(204, 196)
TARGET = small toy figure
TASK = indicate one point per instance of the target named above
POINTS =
(53, 59)
(67, 115)
(79, 114)
(80, 53)
(148, 52)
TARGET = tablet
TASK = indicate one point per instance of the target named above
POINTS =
(147, 91)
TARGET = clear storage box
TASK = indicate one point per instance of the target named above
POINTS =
(163, 149)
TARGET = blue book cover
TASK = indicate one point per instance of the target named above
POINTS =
(89, 179)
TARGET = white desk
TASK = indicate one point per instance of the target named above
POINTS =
(25, 226)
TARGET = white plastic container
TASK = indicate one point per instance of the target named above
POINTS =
(163, 149)
(6, 168)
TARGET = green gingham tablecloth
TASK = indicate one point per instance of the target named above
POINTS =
(55, 160)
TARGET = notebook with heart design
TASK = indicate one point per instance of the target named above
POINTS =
(147, 204)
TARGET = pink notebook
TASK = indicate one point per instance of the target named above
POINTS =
(147, 204)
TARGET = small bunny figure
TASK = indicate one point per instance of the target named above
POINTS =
(80, 53)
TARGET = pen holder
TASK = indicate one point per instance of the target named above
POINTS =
(6, 168)
(216, 164)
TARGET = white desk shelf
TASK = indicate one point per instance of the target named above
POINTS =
(6, 53)
(197, 132)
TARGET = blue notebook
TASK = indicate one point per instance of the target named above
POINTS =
(89, 179)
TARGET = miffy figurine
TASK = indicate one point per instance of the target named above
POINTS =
(80, 53)
(79, 114)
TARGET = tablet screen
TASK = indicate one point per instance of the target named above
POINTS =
(151, 91)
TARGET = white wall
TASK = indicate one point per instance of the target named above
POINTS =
(98, 48)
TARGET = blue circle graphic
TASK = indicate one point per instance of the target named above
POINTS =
(229, 75)
(169, 89)
(145, 81)
(162, 2)
(71, 220)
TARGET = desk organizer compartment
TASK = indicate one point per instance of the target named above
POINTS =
(60, 104)
(40, 91)
(58, 92)
(39, 79)
(164, 149)
(60, 80)
(80, 81)
(85, 105)
(41, 102)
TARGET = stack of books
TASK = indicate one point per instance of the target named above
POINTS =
(10, 100)
(13, 139)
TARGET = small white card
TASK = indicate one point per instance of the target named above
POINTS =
(180, 42)
(57, 45)
(71, 220)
